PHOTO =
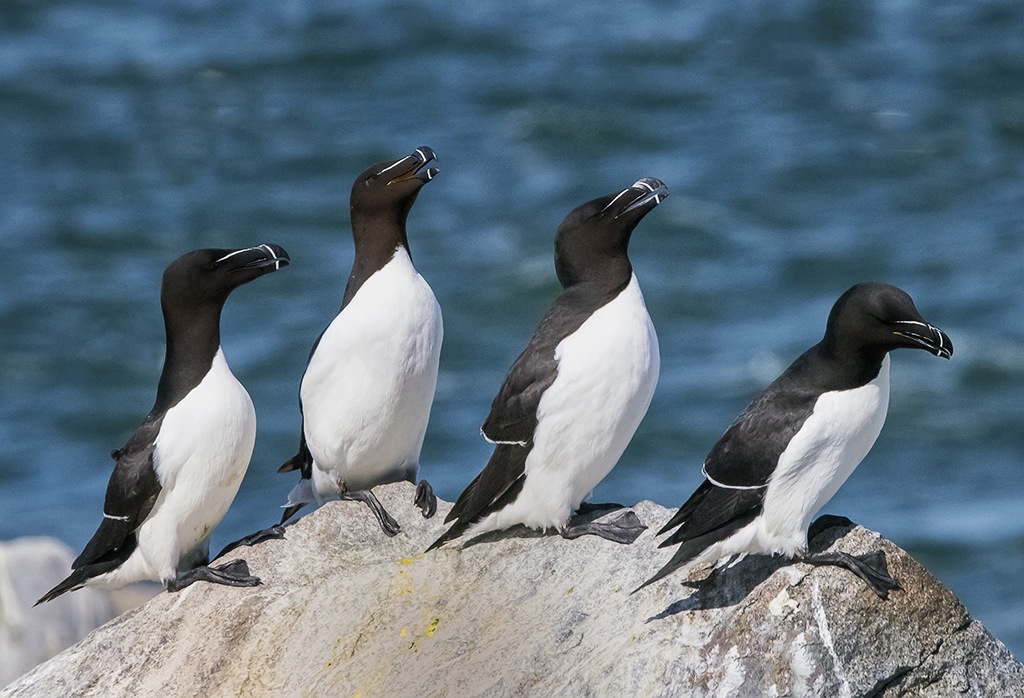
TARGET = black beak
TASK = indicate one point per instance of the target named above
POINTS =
(641, 193)
(259, 257)
(411, 166)
(925, 336)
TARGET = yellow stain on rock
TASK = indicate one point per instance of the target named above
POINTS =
(406, 585)
(432, 627)
(403, 633)
(407, 561)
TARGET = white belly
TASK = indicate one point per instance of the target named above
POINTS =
(367, 391)
(607, 372)
(822, 455)
(201, 455)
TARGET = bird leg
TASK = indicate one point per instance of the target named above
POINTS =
(425, 499)
(825, 522)
(386, 521)
(274, 532)
(289, 511)
(588, 507)
(233, 574)
(623, 529)
(871, 567)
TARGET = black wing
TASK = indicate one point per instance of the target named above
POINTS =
(738, 469)
(740, 465)
(711, 514)
(712, 509)
(494, 488)
(513, 415)
(748, 452)
(303, 459)
(131, 493)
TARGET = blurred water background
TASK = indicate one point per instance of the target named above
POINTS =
(807, 146)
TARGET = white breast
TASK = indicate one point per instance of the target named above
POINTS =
(822, 455)
(367, 391)
(607, 372)
(201, 455)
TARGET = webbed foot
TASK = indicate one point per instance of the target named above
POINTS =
(386, 521)
(274, 532)
(871, 567)
(234, 574)
(623, 529)
(425, 499)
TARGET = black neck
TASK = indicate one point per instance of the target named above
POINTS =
(192, 343)
(844, 368)
(596, 262)
(376, 240)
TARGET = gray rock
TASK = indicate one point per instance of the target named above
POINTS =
(28, 567)
(345, 611)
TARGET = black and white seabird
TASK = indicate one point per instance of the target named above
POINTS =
(178, 473)
(573, 399)
(792, 448)
(366, 395)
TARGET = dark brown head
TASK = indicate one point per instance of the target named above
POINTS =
(876, 318)
(382, 197)
(384, 193)
(206, 277)
(592, 242)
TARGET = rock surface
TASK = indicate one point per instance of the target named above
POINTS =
(346, 611)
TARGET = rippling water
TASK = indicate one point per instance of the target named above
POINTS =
(807, 146)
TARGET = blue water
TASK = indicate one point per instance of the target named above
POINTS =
(807, 146)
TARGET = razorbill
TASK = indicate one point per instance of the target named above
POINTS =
(178, 473)
(790, 450)
(366, 394)
(572, 400)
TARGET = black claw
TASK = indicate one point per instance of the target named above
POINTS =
(425, 499)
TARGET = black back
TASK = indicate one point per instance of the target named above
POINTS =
(592, 264)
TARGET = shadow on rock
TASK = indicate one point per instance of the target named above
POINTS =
(729, 584)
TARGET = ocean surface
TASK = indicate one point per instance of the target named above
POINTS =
(807, 146)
